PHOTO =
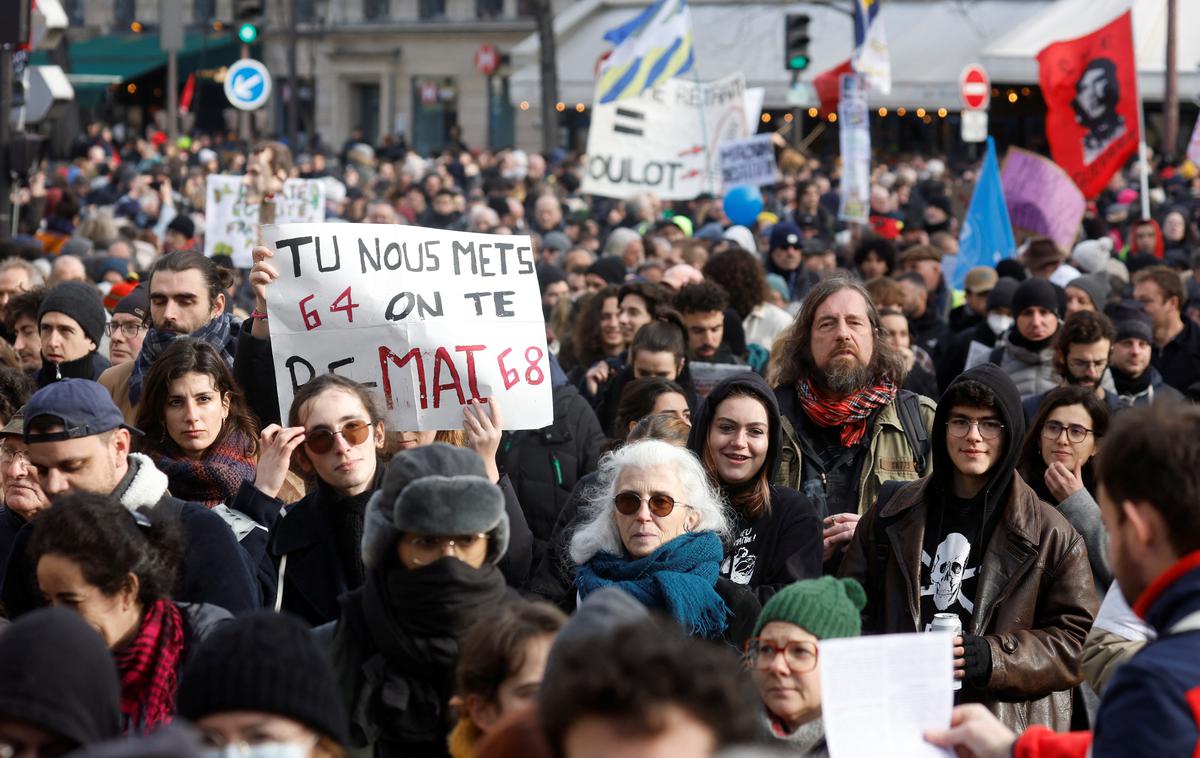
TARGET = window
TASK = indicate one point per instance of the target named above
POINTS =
(74, 11)
(306, 11)
(124, 14)
(373, 9)
(204, 11)
(489, 8)
(431, 9)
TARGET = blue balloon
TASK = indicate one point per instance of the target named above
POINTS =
(742, 204)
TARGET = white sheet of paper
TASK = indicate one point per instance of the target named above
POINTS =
(879, 694)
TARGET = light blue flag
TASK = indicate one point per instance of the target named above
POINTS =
(987, 235)
(650, 48)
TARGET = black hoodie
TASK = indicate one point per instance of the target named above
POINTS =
(953, 565)
(783, 544)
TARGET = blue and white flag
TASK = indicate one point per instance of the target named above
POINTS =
(987, 235)
(651, 48)
(871, 58)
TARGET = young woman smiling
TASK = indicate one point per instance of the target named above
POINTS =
(777, 535)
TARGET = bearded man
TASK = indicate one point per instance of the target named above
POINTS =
(848, 427)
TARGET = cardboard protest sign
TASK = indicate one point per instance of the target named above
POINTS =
(748, 161)
(428, 319)
(231, 220)
(665, 140)
(1043, 200)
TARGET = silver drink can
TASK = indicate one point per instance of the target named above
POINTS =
(948, 622)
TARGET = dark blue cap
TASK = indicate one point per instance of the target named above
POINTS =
(83, 407)
(786, 233)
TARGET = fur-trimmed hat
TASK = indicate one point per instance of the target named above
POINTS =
(436, 490)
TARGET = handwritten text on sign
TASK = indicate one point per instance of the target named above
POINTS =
(231, 220)
(428, 319)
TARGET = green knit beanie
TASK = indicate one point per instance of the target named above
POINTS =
(825, 608)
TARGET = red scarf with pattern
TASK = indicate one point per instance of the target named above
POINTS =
(149, 669)
(850, 413)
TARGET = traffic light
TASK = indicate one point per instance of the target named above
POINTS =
(246, 14)
(795, 42)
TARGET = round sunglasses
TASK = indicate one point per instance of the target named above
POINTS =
(320, 441)
(629, 503)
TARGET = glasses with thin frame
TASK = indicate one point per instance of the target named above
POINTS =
(128, 329)
(320, 441)
(429, 548)
(801, 657)
(8, 454)
(1076, 434)
(989, 428)
(629, 503)
(1078, 365)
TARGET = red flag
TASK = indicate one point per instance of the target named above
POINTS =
(1090, 87)
(828, 85)
(189, 91)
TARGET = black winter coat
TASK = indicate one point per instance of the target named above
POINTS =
(315, 576)
(545, 464)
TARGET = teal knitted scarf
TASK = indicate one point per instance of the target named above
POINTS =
(679, 577)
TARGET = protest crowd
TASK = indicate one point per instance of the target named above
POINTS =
(764, 438)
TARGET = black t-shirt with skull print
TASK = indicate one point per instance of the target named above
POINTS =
(951, 555)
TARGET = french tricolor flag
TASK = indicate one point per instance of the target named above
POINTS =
(871, 57)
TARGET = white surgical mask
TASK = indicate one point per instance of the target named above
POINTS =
(999, 323)
(261, 750)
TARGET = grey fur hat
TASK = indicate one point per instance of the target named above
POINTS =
(439, 490)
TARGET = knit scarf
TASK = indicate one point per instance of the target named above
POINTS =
(413, 619)
(850, 413)
(213, 479)
(149, 669)
(679, 577)
(215, 333)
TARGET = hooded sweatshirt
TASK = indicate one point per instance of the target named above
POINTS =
(783, 543)
(957, 529)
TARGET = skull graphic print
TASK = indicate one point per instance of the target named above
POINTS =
(947, 572)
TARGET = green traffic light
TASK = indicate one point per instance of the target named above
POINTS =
(798, 62)
(247, 33)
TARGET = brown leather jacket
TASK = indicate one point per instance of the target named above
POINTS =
(1034, 599)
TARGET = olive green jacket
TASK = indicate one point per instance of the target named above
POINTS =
(890, 457)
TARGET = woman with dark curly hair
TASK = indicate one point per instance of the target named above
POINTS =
(117, 569)
(741, 275)
(597, 331)
(874, 257)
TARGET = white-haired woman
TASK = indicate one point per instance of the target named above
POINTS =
(653, 528)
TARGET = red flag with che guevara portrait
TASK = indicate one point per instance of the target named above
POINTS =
(1090, 87)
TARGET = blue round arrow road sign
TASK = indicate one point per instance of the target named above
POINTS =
(247, 84)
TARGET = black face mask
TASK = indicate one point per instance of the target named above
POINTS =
(935, 228)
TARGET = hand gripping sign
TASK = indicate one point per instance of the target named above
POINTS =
(427, 319)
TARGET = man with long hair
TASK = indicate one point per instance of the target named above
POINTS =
(847, 425)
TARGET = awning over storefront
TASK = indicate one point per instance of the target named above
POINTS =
(1012, 57)
(101, 62)
(930, 44)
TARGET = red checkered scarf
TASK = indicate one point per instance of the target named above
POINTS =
(850, 413)
(149, 669)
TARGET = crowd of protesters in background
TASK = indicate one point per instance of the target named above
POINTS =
(184, 569)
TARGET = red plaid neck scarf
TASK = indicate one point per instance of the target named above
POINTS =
(850, 413)
(149, 669)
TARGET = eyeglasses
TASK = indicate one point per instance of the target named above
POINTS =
(629, 503)
(9, 454)
(214, 748)
(1078, 365)
(989, 428)
(428, 548)
(128, 329)
(801, 657)
(320, 441)
(1052, 430)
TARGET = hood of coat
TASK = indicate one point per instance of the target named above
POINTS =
(744, 383)
(1008, 407)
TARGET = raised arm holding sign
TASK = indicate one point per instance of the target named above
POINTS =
(430, 320)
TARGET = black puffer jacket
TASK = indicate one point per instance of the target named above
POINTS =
(544, 464)
(781, 544)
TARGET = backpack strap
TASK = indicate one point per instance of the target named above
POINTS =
(909, 409)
